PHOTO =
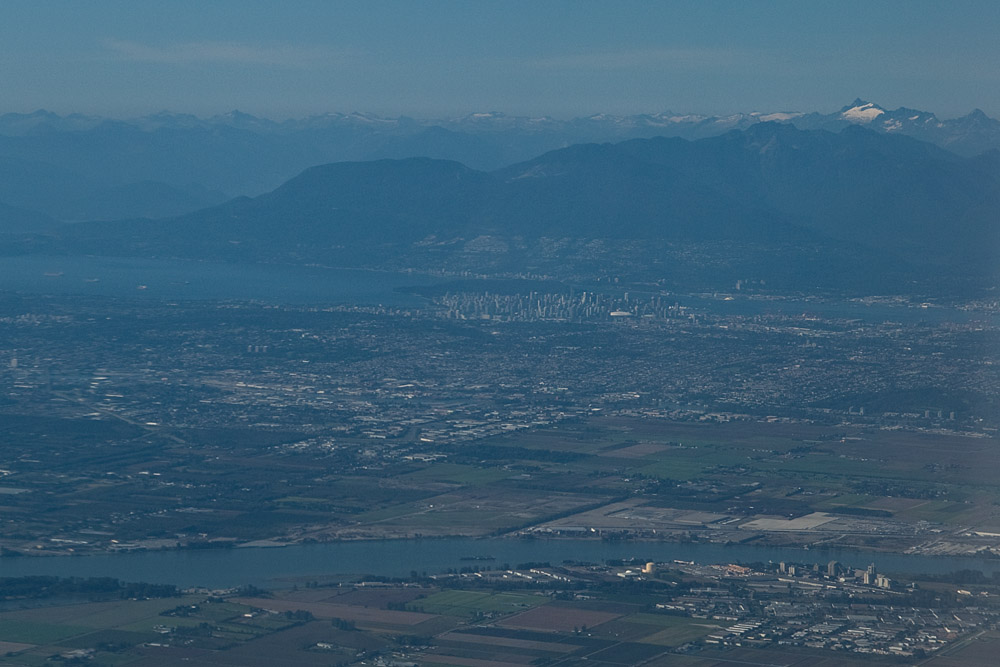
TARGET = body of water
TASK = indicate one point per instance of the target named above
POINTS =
(281, 566)
(833, 309)
(188, 279)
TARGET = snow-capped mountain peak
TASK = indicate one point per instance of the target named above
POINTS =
(862, 112)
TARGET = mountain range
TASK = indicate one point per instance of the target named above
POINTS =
(78, 167)
(771, 201)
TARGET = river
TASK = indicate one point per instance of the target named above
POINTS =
(282, 566)
(188, 279)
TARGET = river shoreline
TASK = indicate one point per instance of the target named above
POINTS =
(796, 541)
(219, 568)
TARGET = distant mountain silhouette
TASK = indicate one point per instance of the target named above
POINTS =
(241, 154)
(66, 195)
(772, 184)
(15, 220)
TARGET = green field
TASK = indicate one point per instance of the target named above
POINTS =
(451, 473)
(37, 632)
(470, 603)
(115, 636)
(676, 630)
(117, 627)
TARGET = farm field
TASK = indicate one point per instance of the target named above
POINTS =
(475, 604)
(551, 479)
(567, 479)
(753, 470)
(565, 615)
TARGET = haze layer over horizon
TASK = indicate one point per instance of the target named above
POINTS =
(443, 58)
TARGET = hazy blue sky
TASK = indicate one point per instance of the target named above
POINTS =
(447, 57)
